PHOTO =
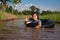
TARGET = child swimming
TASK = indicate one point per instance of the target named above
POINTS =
(34, 20)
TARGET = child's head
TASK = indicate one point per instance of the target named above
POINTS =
(35, 15)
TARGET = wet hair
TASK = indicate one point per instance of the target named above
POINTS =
(36, 14)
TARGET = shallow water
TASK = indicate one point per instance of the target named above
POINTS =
(16, 30)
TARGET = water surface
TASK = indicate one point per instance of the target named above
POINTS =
(16, 30)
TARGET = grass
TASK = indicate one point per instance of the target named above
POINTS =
(2, 16)
(54, 17)
(7, 16)
(21, 16)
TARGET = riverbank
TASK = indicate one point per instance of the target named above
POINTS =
(8, 17)
(54, 17)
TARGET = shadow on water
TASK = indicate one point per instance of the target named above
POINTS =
(16, 30)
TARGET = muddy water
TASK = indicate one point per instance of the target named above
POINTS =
(16, 30)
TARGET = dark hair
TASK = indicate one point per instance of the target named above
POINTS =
(36, 14)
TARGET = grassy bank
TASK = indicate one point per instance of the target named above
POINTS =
(2, 16)
(7, 16)
(54, 17)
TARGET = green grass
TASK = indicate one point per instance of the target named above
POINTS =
(2, 16)
(21, 16)
(54, 17)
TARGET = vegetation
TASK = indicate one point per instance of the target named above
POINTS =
(34, 9)
(3, 3)
(6, 16)
(52, 15)
(26, 12)
(14, 1)
(2, 16)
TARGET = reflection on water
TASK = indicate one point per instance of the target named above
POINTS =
(16, 30)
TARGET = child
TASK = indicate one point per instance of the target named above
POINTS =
(34, 19)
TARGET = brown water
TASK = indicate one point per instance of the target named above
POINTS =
(16, 30)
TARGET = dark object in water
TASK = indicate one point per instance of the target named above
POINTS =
(46, 23)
